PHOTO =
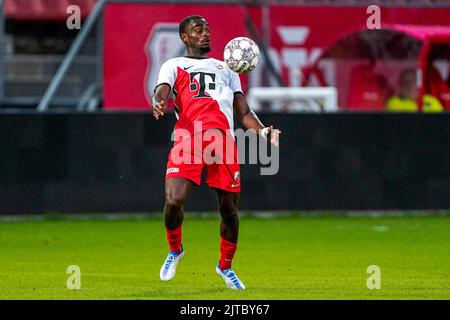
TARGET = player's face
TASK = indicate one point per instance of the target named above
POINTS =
(197, 35)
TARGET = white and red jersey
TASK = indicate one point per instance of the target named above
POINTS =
(203, 89)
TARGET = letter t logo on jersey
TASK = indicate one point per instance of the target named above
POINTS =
(202, 82)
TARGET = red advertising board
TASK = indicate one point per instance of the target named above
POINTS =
(140, 37)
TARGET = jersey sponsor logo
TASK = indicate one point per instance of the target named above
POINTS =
(185, 68)
(172, 170)
(200, 84)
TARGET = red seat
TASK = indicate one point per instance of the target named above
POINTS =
(368, 90)
(439, 88)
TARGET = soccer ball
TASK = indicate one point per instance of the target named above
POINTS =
(241, 55)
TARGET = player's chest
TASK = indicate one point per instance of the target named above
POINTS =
(211, 77)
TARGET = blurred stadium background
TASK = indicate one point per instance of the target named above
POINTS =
(76, 134)
(365, 122)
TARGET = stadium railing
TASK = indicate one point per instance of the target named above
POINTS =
(294, 99)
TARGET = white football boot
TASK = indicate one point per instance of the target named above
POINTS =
(169, 267)
(230, 278)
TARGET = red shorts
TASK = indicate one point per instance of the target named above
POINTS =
(213, 149)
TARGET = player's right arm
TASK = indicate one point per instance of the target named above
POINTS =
(159, 100)
(166, 81)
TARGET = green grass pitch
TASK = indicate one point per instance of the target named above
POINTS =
(288, 258)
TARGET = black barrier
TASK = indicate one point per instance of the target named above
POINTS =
(115, 162)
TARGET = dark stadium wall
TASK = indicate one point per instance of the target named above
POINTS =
(115, 162)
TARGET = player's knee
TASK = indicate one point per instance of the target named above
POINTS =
(174, 199)
(229, 212)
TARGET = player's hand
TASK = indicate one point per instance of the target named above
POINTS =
(274, 135)
(158, 109)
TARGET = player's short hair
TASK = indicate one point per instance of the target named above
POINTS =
(184, 23)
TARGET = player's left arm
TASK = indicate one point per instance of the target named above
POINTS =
(250, 120)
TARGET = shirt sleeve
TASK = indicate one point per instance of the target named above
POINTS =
(167, 74)
(235, 82)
